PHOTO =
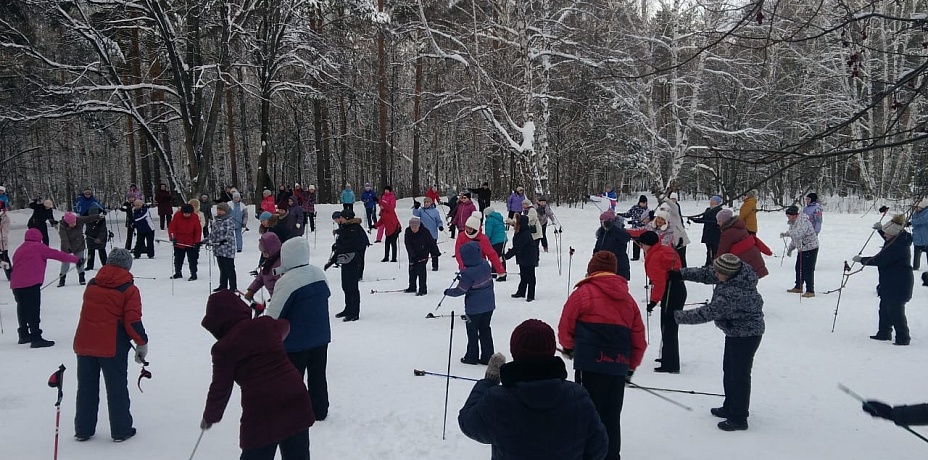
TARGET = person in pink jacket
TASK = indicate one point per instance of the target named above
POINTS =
(269, 245)
(267, 203)
(26, 281)
(388, 224)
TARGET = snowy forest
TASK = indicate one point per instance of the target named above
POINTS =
(563, 97)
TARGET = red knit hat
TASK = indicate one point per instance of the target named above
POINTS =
(532, 339)
(602, 261)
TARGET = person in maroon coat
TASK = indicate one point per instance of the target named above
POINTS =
(164, 200)
(737, 240)
(276, 409)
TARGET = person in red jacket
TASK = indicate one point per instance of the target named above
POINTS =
(185, 233)
(472, 232)
(736, 239)
(388, 224)
(111, 316)
(601, 330)
(432, 193)
(276, 409)
(663, 264)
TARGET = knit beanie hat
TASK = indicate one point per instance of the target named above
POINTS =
(467, 194)
(488, 210)
(120, 257)
(265, 216)
(649, 238)
(69, 218)
(812, 196)
(187, 208)
(894, 226)
(533, 339)
(663, 215)
(727, 264)
(542, 198)
(236, 195)
(642, 199)
(347, 214)
(792, 211)
(224, 207)
(527, 203)
(751, 193)
(724, 215)
(472, 222)
(266, 192)
(674, 196)
(414, 221)
(607, 215)
(602, 261)
(715, 199)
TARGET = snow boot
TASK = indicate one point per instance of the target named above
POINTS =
(733, 425)
(24, 336)
(719, 412)
(882, 337)
(177, 276)
(794, 290)
(81, 279)
(39, 342)
(61, 280)
(124, 437)
(409, 290)
(193, 277)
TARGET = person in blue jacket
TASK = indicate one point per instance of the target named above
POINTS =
(369, 198)
(495, 229)
(476, 285)
(919, 221)
(85, 201)
(348, 198)
(813, 211)
(536, 413)
(895, 281)
(431, 219)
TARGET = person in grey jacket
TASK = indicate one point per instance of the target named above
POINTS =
(803, 239)
(223, 241)
(72, 242)
(737, 309)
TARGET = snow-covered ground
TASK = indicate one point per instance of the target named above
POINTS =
(380, 410)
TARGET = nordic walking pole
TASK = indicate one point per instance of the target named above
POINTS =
(689, 392)
(649, 391)
(419, 373)
(783, 255)
(569, 264)
(197, 444)
(860, 398)
(448, 377)
(56, 381)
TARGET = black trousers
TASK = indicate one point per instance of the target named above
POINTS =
(129, 232)
(206, 230)
(227, 277)
(526, 280)
(674, 298)
(544, 236)
(479, 337)
(805, 269)
(29, 310)
(371, 214)
(312, 220)
(917, 252)
(736, 366)
(145, 242)
(892, 316)
(312, 364)
(350, 278)
(608, 395)
(295, 447)
(192, 253)
(165, 219)
(436, 253)
(711, 250)
(391, 245)
(681, 251)
(417, 271)
(347, 206)
(115, 371)
(91, 256)
(43, 228)
(636, 251)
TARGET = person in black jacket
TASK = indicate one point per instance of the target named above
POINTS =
(42, 213)
(347, 252)
(612, 237)
(536, 413)
(97, 236)
(711, 233)
(894, 263)
(525, 251)
(900, 415)
(419, 246)
(483, 196)
(452, 203)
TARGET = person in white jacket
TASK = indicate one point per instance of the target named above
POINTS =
(681, 240)
(804, 240)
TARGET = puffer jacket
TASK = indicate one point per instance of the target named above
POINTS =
(894, 262)
(710, 226)
(309, 204)
(736, 306)
(636, 215)
(514, 202)
(186, 230)
(72, 238)
(523, 247)
(30, 259)
(267, 278)
(535, 414)
(419, 245)
(544, 214)
(164, 200)
(301, 296)
(268, 204)
(141, 221)
(110, 316)
(430, 218)
(658, 261)
(96, 233)
(602, 324)
(748, 213)
(495, 228)
(275, 403)
(736, 240)
(614, 239)
(920, 227)
(813, 211)
(223, 237)
(676, 223)
(486, 250)
(461, 212)
(476, 283)
(802, 235)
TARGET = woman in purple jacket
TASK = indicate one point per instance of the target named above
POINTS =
(269, 245)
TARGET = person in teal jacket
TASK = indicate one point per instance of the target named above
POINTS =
(495, 230)
(348, 198)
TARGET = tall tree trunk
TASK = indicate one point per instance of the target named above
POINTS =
(415, 127)
(382, 96)
(230, 126)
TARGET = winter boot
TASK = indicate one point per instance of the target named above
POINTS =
(177, 276)
(794, 290)
(719, 412)
(81, 279)
(881, 336)
(410, 290)
(124, 437)
(733, 425)
(39, 342)
(193, 277)
(809, 295)
(61, 280)
(24, 336)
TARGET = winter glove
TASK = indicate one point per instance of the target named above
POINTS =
(857, 258)
(447, 292)
(651, 306)
(877, 226)
(496, 361)
(883, 209)
(628, 377)
(173, 240)
(568, 353)
(204, 425)
(674, 275)
(789, 253)
(441, 229)
(416, 205)
(327, 266)
(784, 235)
(141, 351)
(878, 409)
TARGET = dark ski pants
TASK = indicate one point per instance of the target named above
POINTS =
(391, 245)
(674, 298)
(500, 251)
(892, 316)
(916, 260)
(312, 364)
(681, 251)
(711, 250)
(145, 242)
(311, 216)
(227, 279)
(115, 371)
(165, 219)
(636, 252)
(91, 255)
(129, 233)
(295, 447)
(371, 214)
(805, 269)
(348, 207)
(192, 253)
(350, 278)
(417, 272)
(436, 253)
(544, 237)
(608, 395)
(479, 337)
(28, 310)
(736, 368)
(526, 281)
